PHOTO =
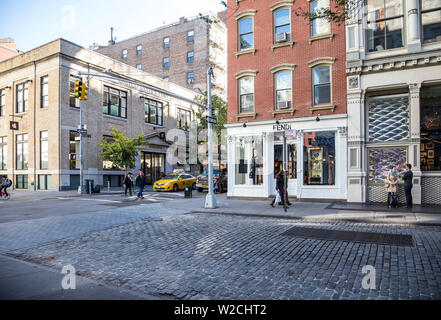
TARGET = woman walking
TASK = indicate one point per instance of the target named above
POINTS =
(391, 183)
(128, 183)
(280, 188)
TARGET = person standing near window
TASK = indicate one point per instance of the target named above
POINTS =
(408, 177)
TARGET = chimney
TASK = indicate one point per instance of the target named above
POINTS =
(182, 20)
(111, 41)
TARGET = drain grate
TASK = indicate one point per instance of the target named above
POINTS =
(352, 236)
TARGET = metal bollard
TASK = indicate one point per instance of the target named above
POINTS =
(108, 186)
(90, 187)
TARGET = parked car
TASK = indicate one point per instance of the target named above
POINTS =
(220, 182)
(175, 182)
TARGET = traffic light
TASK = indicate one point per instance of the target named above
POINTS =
(84, 91)
(78, 89)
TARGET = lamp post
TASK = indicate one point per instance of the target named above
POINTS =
(210, 199)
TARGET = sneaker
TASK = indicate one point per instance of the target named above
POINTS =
(272, 205)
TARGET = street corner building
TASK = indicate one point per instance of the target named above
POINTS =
(394, 98)
(39, 117)
(286, 76)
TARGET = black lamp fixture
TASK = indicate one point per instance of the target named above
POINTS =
(318, 118)
(277, 122)
(244, 125)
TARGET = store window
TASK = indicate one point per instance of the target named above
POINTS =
(385, 24)
(2, 103)
(282, 26)
(44, 150)
(246, 34)
(249, 161)
(291, 160)
(321, 81)
(381, 160)
(44, 92)
(246, 95)
(3, 153)
(74, 150)
(430, 128)
(115, 102)
(21, 181)
(153, 112)
(283, 89)
(73, 102)
(22, 151)
(431, 20)
(319, 158)
(388, 118)
(22, 97)
(319, 25)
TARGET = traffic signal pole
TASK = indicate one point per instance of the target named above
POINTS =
(210, 200)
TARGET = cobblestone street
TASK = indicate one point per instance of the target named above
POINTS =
(202, 256)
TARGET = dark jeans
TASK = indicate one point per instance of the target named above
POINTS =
(4, 190)
(128, 188)
(140, 189)
(408, 193)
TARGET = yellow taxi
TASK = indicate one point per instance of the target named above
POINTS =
(175, 182)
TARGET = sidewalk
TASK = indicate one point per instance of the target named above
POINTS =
(22, 280)
(310, 211)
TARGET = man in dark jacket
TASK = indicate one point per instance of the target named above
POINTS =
(140, 183)
(5, 183)
(128, 183)
(408, 178)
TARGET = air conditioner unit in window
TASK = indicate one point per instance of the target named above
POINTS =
(282, 37)
(284, 105)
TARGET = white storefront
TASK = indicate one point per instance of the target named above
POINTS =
(316, 157)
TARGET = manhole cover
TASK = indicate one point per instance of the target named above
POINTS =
(352, 236)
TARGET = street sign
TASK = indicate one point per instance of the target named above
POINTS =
(13, 125)
(211, 120)
(82, 131)
(291, 134)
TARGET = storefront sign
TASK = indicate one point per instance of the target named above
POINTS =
(291, 134)
(281, 127)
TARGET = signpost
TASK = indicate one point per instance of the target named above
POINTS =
(211, 120)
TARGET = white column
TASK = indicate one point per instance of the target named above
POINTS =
(267, 172)
(299, 163)
(413, 28)
(231, 165)
(414, 148)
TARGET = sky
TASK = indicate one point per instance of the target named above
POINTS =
(32, 23)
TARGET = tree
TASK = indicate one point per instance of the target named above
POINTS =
(219, 107)
(338, 12)
(121, 150)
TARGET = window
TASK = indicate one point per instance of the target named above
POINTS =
(2, 103)
(115, 102)
(190, 77)
(246, 35)
(44, 150)
(153, 112)
(319, 25)
(73, 102)
(138, 49)
(3, 153)
(249, 161)
(190, 35)
(283, 89)
(351, 37)
(388, 118)
(319, 158)
(44, 98)
(246, 95)
(282, 25)
(22, 97)
(138, 66)
(74, 150)
(166, 42)
(124, 54)
(190, 57)
(385, 24)
(21, 181)
(184, 118)
(292, 160)
(22, 151)
(430, 128)
(431, 20)
(321, 80)
(165, 78)
(166, 63)
(44, 181)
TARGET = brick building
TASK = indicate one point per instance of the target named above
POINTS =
(36, 90)
(8, 48)
(180, 52)
(285, 76)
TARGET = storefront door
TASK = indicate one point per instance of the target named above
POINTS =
(153, 166)
(291, 165)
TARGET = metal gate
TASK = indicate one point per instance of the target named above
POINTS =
(431, 190)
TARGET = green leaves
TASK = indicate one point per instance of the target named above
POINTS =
(219, 111)
(121, 150)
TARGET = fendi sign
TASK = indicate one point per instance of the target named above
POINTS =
(281, 127)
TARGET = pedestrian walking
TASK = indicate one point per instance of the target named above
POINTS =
(391, 183)
(408, 178)
(128, 183)
(280, 188)
(140, 183)
(5, 183)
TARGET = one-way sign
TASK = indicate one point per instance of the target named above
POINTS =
(211, 120)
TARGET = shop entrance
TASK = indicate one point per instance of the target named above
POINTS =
(291, 158)
(153, 166)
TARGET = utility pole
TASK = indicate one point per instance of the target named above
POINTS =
(210, 199)
(285, 169)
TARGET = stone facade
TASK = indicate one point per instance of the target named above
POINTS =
(59, 61)
(208, 46)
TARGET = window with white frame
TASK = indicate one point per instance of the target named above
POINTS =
(319, 25)
(246, 33)
(283, 89)
(246, 95)
(249, 161)
(22, 97)
(385, 25)
(282, 25)
(44, 150)
(44, 92)
(321, 82)
(21, 151)
(431, 20)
